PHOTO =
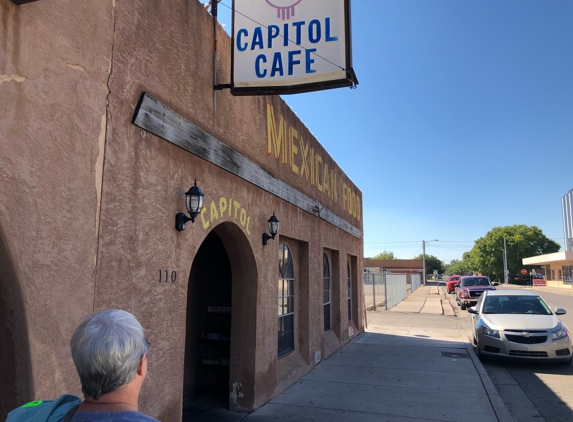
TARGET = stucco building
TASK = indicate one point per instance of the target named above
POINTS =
(402, 266)
(108, 116)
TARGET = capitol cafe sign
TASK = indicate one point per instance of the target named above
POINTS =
(290, 46)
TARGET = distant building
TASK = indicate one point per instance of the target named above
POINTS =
(402, 266)
(558, 266)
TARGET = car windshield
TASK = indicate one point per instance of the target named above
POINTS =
(454, 278)
(466, 282)
(513, 304)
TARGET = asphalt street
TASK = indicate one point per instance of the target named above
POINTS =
(533, 391)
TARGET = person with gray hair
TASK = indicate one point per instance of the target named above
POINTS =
(110, 353)
(109, 350)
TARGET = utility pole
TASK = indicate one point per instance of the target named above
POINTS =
(424, 259)
(505, 274)
(424, 256)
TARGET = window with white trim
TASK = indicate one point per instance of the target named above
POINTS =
(349, 291)
(326, 290)
(286, 301)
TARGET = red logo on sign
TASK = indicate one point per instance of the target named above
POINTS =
(285, 8)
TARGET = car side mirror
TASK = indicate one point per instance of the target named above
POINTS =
(473, 310)
(496, 284)
(457, 285)
(560, 311)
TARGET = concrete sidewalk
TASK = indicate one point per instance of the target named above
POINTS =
(425, 300)
(414, 363)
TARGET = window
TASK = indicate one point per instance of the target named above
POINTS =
(349, 291)
(567, 274)
(326, 287)
(286, 301)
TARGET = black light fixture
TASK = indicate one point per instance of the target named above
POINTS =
(274, 224)
(193, 203)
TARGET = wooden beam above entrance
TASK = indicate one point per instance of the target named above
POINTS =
(158, 119)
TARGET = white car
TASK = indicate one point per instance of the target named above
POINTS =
(519, 324)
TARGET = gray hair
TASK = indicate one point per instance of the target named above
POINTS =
(107, 348)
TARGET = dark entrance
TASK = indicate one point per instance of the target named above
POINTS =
(207, 343)
(16, 384)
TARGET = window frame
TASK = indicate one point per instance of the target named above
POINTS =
(349, 290)
(286, 308)
(326, 292)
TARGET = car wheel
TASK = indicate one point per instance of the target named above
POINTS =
(463, 306)
(479, 354)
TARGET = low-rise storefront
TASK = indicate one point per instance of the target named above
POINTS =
(558, 267)
(109, 117)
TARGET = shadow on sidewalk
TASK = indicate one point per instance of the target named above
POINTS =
(552, 405)
(387, 377)
(399, 375)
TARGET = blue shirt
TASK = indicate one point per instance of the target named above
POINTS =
(128, 416)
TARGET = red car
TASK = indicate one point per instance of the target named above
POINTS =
(451, 283)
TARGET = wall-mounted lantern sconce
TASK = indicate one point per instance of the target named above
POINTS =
(194, 204)
(274, 224)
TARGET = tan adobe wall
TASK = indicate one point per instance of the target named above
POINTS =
(88, 200)
(54, 64)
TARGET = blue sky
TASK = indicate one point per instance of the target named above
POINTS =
(462, 121)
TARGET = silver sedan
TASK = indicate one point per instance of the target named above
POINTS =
(519, 324)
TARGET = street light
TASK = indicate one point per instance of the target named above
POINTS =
(505, 271)
(424, 255)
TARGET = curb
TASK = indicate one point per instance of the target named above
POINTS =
(495, 399)
(446, 304)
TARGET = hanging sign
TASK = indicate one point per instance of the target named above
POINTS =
(290, 46)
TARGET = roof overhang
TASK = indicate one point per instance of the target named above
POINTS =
(563, 258)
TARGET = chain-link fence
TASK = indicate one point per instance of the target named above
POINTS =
(374, 291)
(385, 290)
(396, 289)
(416, 281)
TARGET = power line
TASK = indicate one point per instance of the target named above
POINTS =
(392, 243)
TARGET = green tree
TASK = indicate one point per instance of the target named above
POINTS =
(460, 267)
(522, 241)
(432, 263)
(385, 255)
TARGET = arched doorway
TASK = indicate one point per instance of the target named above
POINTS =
(220, 334)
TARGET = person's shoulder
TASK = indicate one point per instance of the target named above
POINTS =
(44, 410)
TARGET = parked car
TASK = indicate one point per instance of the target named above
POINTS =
(451, 283)
(439, 276)
(470, 288)
(519, 324)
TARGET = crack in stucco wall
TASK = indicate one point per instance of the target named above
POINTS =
(99, 170)
(8, 78)
(100, 160)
